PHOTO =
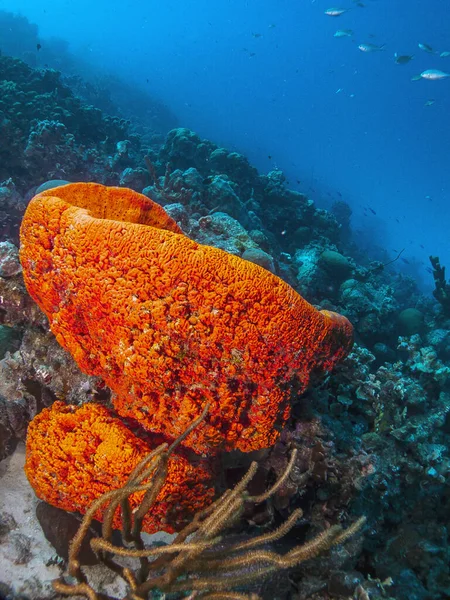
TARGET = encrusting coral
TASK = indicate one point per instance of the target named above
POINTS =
(76, 454)
(171, 324)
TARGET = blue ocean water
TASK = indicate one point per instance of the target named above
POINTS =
(271, 80)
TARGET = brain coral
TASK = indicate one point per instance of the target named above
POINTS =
(75, 454)
(171, 324)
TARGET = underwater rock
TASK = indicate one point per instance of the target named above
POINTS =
(179, 187)
(357, 297)
(134, 178)
(46, 141)
(326, 226)
(287, 214)
(122, 159)
(343, 213)
(303, 235)
(221, 197)
(275, 180)
(406, 423)
(440, 340)
(410, 321)
(186, 184)
(344, 583)
(16, 306)
(32, 377)
(7, 523)
(184, 187)
(9, 260)
(155, 194)
(337, 265)
(417, 554)
(9, 340)
(12, 208)
(7, 439)
(383, 352)
(52, 183)
(184, 149)
(372, 308)
(18, 548)
(222, 231)
(259, 238)
(259, 257)
(59, 528)
(14, 419)
(308, 274)
(236, 166)
(42, 370)
(423, 361)
(192, 180)
(179, 214)
(254, 223)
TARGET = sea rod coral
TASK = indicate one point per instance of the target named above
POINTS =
(171, 324)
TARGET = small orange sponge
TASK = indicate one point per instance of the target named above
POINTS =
(76, 454)
(171, 324)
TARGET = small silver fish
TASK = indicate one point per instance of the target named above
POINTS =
(429, 103)
(370, 47)
(335, 12)
(432, 75)
(402, 59)
(444, 54)
(426, 48)
(340, 33)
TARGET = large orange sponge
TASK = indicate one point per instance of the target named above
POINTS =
(76, 454)
(171, 324)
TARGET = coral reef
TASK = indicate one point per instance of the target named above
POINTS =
(397, 416)
(49, 133)
(371, 439)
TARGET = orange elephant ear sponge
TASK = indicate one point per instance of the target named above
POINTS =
(76, 454)
(171, 324)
